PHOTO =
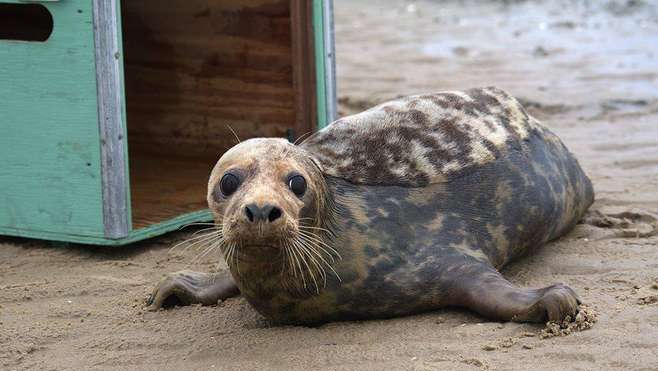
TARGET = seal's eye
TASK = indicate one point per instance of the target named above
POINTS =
(229, 184)
(297, 185)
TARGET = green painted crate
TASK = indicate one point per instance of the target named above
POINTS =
(112, 114)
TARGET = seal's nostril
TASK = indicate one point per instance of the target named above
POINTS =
(262, 214)
(274, 214)
(250, 215)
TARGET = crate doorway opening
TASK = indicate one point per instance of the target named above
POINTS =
(194, 68)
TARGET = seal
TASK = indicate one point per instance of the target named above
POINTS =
(410, 206)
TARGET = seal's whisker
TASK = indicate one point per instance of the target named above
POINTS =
(326, 263)
(228, 250)
(288, 260)
(205, 233)
(311, 230)
(298, 261)
(229, 254)
(315, 238)
(234, 134)
(317, 247)
(235, 258)
(321, 271)
(333, 254)
(301, 226)
(310, 271)
(213, 245)
(200, 240)
(319, 241)
(205, 252)
(201, 232)
(193, 238)
(296, 258)
(288, 263)
(301, 137)
(196, 240)
(198, 223)
(206, 229)
(203, 245)
(307, 251)
(310, 136)
(326, 259)
(226, 253)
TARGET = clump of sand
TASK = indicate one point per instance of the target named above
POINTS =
(648, 300)
(503, 343)
(584, 320)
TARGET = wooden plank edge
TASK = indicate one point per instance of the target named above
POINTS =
(134, 236)
(110, 119)
(324, 61)
(124, 114)
(303, 68)
(329, 61)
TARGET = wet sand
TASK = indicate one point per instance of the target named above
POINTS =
(590, 73)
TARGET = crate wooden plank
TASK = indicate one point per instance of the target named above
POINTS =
(176, 223)
(304, 68)
(50, 179)
(327, 55)
(111, 122)
(325, 68)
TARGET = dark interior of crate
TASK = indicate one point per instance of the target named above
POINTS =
(195, 68)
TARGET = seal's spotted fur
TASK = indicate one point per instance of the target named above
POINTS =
(411, 206)
(423, 139)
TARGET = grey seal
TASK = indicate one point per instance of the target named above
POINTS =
(413, 205)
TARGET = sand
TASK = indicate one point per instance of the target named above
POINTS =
(587, 71)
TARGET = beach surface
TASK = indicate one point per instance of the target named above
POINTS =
(587, 70)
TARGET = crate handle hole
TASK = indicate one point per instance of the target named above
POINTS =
(25, 22)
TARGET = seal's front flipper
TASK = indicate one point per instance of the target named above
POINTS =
(488, 293)
(188, 287)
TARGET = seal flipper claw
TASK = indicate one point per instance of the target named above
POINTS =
(491, 295)
(188, 287)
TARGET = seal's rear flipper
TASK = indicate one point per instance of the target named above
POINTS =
(188, 287)
(488, 293)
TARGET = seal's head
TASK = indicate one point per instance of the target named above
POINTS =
(269, 198)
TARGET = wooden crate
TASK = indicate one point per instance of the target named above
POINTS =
(113, 114)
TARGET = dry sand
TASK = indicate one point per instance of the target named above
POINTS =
(589, 72)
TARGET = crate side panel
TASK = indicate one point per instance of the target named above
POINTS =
(49, 139)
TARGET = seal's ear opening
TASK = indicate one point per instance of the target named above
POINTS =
(183, 89)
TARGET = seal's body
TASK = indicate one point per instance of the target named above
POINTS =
(410, 206)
